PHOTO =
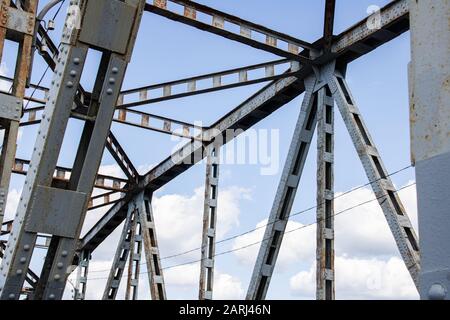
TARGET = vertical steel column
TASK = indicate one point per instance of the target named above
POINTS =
(120, 258)
(430, 131)
(396, 216)
(134, 263)
(209, 224)
(82, 273)
(16, 25)
(285, 195)
(152, 257)
(325, 196)
(49, 209)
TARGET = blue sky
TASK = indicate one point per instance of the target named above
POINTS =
(167, 50)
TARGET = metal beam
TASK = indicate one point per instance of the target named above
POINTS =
(285, 195)
(122, 159)
(219, 24)
(16, 25)
(102, 200)
(159, 124)
(82, 273)
(62, 176)
(151, 249)
(325, 282)
(120, 257)
(328, 27)
(134, 257)
(135, 118)
(139, 232)
(210, 82)
(208, 250)
(390, 203)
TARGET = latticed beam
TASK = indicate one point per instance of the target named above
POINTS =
(62, 176)
(16, 25)
(285, 195)
(206, 83)
(325, 284)
(82, 274)
(138, 233)
(121, 157)
(135, 118)
(208, 250)
(390, 203)
(159, 124)
(222, 24)
(103, 200)
(151, 248)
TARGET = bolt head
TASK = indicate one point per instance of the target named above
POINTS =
(437, 292)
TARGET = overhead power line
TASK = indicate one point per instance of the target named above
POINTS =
(267, 224)
(386, 196)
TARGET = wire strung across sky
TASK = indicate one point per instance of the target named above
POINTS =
(260, 227)
(48, 66)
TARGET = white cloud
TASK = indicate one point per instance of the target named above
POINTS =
(227, 287)
(111, 170)
(4, 85)
(183, 276)
(12, 203)
(361, 279)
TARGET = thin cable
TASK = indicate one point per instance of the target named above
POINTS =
(269, 238)
(48, 66)
(270, 223)
(59, 9)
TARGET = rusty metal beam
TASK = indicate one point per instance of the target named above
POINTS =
(274, 41)
(159, 124)
(15, 25)
(122, 159)
(191, 86)
(330, 7)
(325, 274)
(62, 175)
(102, 200)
